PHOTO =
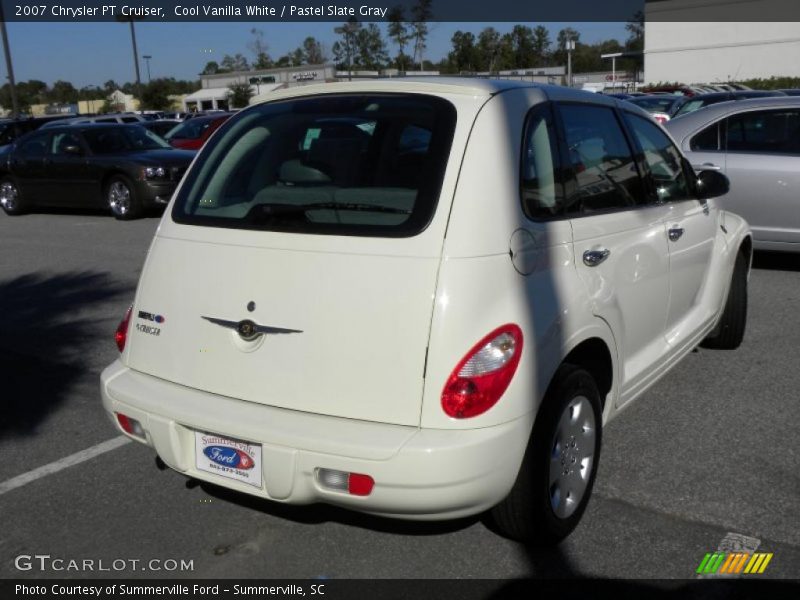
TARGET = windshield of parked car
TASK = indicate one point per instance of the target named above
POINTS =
(108, 140)
(335, 164)
(192, 129)
(661, 103)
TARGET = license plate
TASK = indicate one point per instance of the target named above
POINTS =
(228, 457)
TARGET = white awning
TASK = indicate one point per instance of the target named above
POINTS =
(208, 94)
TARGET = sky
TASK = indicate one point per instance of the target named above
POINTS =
(92, 53)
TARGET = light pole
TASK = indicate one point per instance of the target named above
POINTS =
(569, 46)
(147, 58)
(12, 85)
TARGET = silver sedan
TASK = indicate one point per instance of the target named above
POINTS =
(756, 143)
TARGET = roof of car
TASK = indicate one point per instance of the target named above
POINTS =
(467, 86)
(92, 126)
(687, 124)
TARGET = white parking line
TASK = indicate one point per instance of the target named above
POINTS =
(61, 464)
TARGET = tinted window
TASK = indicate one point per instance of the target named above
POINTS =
(190, 130)
(542, 186)
(342, 165)
(601, 159)
(108, 140)
(663, 160)
(707, 140)
(63, 140)
(767, 132)
(35, 146)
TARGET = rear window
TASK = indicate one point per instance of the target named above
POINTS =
(337, 164)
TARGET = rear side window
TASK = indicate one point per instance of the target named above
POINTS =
(542, 177)
(337, 164)
(606, 174)
(765, 132)
(708, 140)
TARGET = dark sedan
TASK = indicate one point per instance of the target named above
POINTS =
(122, 167)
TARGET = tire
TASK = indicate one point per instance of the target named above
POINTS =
(10, 197)
(121, 198)
(538, 509)
(729, 333)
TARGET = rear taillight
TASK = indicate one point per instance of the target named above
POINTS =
(122, 330)
(355, 484)
(482, 376)
(130, 425)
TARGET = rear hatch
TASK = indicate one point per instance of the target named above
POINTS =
(298, 265)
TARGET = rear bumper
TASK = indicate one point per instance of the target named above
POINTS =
(418, 473)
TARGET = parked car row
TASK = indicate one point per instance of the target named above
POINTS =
(751, 136)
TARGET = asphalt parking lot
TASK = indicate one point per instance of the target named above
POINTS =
(709, 454)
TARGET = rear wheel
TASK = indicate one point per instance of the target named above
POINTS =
(121, 198)
(557, 474)
(730, 331)
(10, 197)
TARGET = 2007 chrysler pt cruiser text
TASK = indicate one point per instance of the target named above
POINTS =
(422, 299)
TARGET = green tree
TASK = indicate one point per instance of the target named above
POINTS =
(235, 63)
(259, 48)
(464, 55)
(313, 51)
(371, 48)
(24, 101)
(63, 92)
(521, 44)
(344, 50)
(211, 68)
(399, 33)
(541, 45)
(635, 29)
(420, 13)
(110, 86)
(155, 95)
(239, 94)
(488, 48)
(565, 35)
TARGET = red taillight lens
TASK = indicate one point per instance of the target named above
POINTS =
(130, 425)
(360, 485)
(483, 375)
(122, 330)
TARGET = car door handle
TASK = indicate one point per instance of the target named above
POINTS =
(675, 233)
(592, 258)
(707, 167)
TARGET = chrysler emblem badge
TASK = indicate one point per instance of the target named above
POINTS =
(247, 330)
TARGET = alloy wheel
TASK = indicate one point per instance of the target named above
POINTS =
(572, 457)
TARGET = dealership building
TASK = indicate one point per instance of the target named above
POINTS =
(686, 41)
(214, 91)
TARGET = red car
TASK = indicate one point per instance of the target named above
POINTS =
(193, 133)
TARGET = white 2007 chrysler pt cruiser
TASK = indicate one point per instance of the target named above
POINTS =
(423, 299)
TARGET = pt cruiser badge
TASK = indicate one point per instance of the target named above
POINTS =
(248, 330)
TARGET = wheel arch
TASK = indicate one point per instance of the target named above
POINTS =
(594, 355)
(109, 176)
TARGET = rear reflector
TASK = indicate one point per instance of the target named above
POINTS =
(355, 484)
(482, 376)
(130, 425)
(122, 330)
